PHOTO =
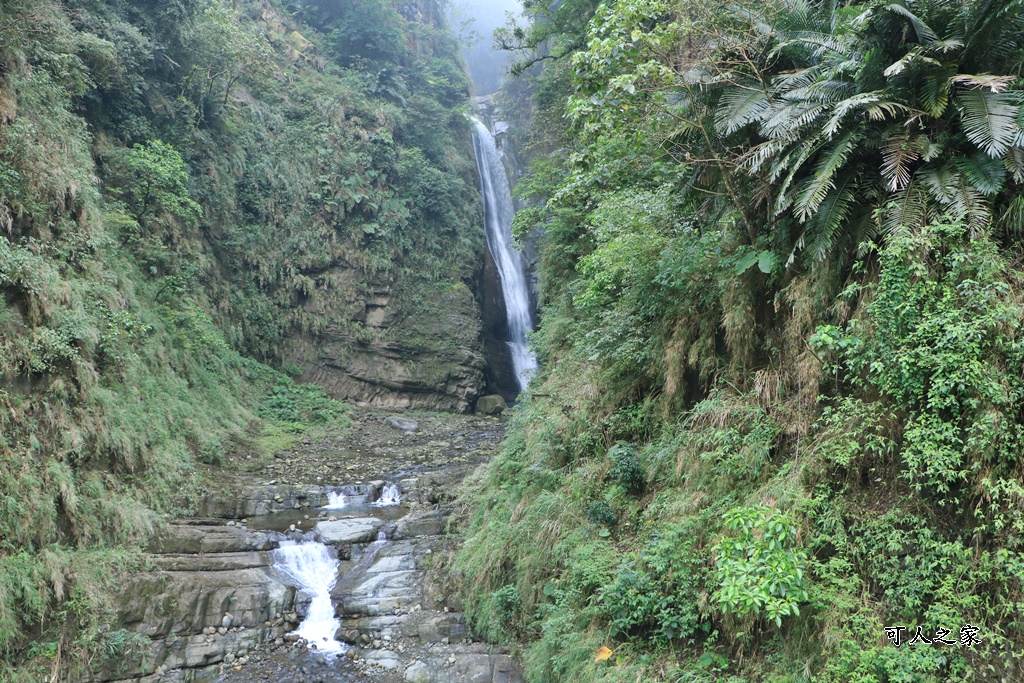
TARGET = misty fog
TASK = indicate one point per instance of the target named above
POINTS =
(475, 21)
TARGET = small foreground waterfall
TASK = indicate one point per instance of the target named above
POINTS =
(389, 495)
(336, 501)
(499, 212)
(312, 568)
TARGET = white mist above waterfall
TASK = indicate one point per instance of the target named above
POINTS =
(311, 568)
(500, 211)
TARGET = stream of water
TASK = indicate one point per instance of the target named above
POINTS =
(312, 568)
(500, 211)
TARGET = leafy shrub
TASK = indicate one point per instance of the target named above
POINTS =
(509, 607)
(123, 643)
(626, 470)
(939, 339)
(760, 570)
(155, 181)
(656, 592)
(299, 405)
(600, 513)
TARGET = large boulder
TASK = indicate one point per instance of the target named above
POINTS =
(360, 530)
(492, 405)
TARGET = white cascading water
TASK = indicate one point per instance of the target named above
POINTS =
(313, 570)
(389, 495)
(336, 501)
(500, 211)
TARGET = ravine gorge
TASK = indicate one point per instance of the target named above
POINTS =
(361, 341)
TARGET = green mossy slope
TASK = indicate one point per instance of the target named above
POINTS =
(180, 183)
(779, 408)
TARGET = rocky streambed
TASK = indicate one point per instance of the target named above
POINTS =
(328, 564)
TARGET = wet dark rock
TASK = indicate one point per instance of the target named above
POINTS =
(491, 406)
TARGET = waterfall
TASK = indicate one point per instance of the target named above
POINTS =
(389, 495)
(311, 568)
(336, 501)
(499, 212)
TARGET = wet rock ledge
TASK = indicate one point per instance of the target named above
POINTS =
(214, 608)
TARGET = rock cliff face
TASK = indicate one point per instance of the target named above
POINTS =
(395, 347)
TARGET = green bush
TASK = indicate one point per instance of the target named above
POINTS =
(626, 469)
(760, 569)
(655, 594)
(600, 513)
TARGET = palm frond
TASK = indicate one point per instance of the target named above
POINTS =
(957, 196)
(1013, 160)
(804, 152)
(786, 118)
(995, 84)
(983, 173)
(934, 91)
(908, 209)
(873, 105)
(909, 59)
(925, 34)
(898, 154)
(937, 179)
(739, 107)
(821, 42)
(825, 227)
(1012, 220)
(946, 46)
(793, 80)
(829, 90)
(756, 157)
(990, 119)
(880, 111)
(816, 187)
(930, 149)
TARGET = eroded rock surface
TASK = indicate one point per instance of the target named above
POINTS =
(216, 610)
(381, 350)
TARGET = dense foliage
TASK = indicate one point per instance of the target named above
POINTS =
(180, 182)
(780, 266)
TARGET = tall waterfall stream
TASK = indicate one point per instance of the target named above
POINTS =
(499, 212)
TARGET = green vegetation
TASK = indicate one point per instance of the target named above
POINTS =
(779, 406)
(185, 186)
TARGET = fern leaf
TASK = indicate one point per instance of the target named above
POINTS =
(826, 225)
(983, 173)
(990, 119)
(898, 154)
(739, 107)
(818, 186)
